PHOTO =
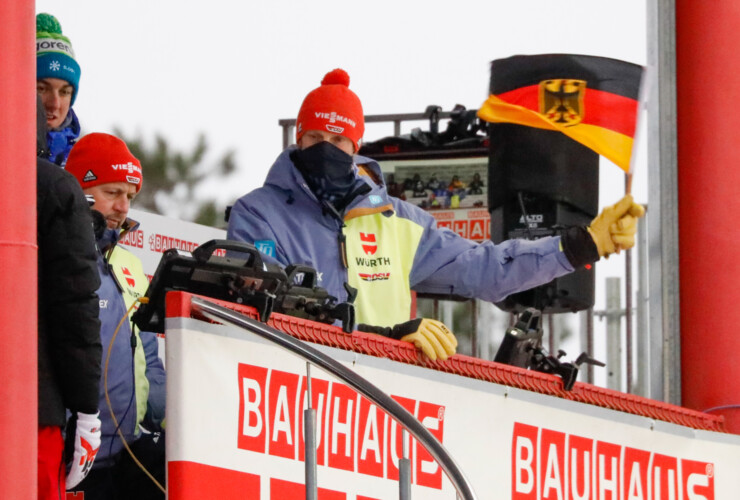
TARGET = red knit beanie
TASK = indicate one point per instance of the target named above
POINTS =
(334, 108)
(102, 158)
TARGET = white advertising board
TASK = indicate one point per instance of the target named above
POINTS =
(157, 233)
(234, 412)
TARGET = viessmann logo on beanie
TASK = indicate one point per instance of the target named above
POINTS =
(334, 108)
(100, 158)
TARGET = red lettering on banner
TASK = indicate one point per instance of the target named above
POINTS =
(395, 440)
(698, 478)
(580, 451)
(636, 463)
(361, 497)
(319, 402)
(479, 213)
(77, 495)
(460, 227)
(550, 465)
(190, 480)
(664, 474)
(271, 404)
(341, 427)
(282, 490)
(428, 471)
(133, 239)
(252, 415)
(370, 439)
(478, 229)
(440, 216)
(523, 458)
(161, 243)
(607, 467)
(471, 224)
(282, 410)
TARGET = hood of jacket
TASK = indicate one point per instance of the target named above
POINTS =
(106, 238)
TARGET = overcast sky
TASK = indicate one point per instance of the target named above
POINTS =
(233, 69)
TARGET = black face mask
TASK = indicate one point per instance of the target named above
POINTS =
(327, 170)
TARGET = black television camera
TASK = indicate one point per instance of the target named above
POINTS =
(522, 347)
(235, 272)
(301, 297)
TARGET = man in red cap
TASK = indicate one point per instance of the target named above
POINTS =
(133, 375)
(324, 206)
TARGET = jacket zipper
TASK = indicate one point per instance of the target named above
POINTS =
(342, 247)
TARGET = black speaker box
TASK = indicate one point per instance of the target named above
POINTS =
(539, 182)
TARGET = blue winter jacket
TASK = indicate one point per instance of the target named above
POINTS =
(61, 140)
(383, 246)
(135, 375)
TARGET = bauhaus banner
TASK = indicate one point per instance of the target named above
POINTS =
(235, 430)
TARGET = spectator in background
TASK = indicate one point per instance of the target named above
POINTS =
(69, 349)
(57, 82)
(395, 188)
(476, 185)
(133, 375)
(455, 184)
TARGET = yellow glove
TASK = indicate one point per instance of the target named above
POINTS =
(613, 230)
(432, 337)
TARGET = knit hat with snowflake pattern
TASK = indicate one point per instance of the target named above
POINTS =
(54, 55)
(334, 108)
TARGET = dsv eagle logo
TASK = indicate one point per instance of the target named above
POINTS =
(561, 101)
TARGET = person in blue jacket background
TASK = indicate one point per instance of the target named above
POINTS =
(133, 377)
(324, 206)
(57, 83)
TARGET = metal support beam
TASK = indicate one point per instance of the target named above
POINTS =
(309, 438)
(663, 195)
(404, 470)
(643, 344)
(613, 334)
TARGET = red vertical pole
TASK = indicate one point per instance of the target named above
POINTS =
(708, 93)
(18, 333)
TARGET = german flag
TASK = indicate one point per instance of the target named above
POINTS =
(593, 100)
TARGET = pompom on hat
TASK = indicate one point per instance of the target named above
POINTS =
(334, 108)
(55, 57)
(100, 158)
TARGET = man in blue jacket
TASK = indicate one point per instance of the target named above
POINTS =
(57, 82)
(324, 206)
(132, 395)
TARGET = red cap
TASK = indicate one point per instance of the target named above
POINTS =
(102, 158)
(334, 108)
